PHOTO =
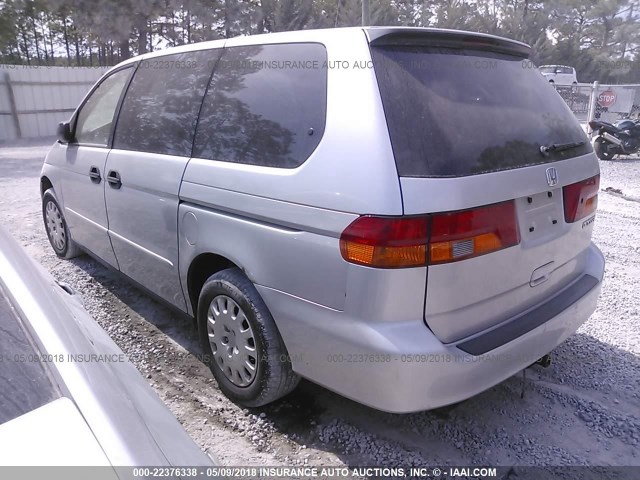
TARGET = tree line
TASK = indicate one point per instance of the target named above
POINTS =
(600, 38)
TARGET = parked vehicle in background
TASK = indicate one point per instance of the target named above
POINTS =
(350, 224)
(559, 74)
(620, 138)
(68, 394)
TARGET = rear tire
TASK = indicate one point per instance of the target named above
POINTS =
(601, 147)
(241, 342)
(56, 227)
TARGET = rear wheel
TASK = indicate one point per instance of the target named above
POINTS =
(603, 149)
(241, 342)
(56, 227)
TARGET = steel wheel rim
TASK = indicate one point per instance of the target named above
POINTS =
(55, 226)
(232, 341)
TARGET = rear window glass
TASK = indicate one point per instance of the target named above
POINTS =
(265, 105)
(24, 382)
(456, 112)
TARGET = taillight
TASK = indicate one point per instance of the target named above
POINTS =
(398, 242)
(386, 242)
(469, 233)
(580, 199)
(594, 125)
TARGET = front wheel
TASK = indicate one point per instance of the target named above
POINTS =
(56, 227)
(603, 149)
(241, 342)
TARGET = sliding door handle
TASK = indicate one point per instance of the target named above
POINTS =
(94, 175)
(113, 178)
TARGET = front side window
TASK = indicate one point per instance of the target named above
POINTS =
(266, 105)
(95, 118)
(160, 109)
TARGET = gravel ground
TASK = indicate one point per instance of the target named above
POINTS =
(583, 410)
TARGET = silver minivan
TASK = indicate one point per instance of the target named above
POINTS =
(401, 215)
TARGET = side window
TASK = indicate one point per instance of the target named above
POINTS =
(96, 115)
(160, 110)
(266, 105)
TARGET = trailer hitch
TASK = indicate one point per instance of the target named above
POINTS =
(544, 362)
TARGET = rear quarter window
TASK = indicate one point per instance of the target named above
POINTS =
(265, 105)
(456, 112)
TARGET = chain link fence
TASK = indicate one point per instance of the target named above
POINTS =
(577, 97)
(608, 103)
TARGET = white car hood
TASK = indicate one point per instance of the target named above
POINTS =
(52, 435)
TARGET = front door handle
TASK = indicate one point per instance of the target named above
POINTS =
(94, 175)
(113, 178)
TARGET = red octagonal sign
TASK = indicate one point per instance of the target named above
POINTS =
(607, 98)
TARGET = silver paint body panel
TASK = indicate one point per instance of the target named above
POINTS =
(142, 220)
(82, 200)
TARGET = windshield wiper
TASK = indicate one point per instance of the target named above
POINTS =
(558, 147)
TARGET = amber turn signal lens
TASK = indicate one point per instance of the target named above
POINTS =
(400, 242)
(580, 199)
(470, 233)
(386, 242)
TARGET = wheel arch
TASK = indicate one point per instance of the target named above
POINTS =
(45, 184)
(200, 269)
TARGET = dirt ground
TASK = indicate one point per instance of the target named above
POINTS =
(583, 410)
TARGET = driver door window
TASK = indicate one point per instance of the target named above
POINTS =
(96, 115)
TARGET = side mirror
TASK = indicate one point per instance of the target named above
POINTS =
(64, 132)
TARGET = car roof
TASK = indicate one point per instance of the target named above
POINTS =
(315, 35)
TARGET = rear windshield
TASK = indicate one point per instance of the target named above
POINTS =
(24, 382)
(456, 112)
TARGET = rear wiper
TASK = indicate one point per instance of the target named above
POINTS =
(558, 147)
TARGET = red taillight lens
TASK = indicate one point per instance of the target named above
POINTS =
(470, 233)
(387, 242)
(580, 199)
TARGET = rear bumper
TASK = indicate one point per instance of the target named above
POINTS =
(401, 366)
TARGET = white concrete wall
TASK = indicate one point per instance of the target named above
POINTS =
(44, 96)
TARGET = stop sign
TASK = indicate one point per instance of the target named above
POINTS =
(607, 98)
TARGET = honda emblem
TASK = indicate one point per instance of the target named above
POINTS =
(552, 176)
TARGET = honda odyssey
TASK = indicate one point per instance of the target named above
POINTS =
(402, 215)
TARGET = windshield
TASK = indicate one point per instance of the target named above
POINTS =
(455, 112)
(24, 382)
(547, 69)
